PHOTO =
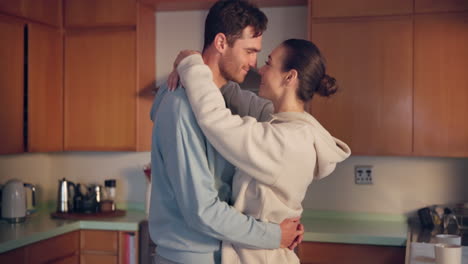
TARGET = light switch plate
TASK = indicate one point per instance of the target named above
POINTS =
(363, 174)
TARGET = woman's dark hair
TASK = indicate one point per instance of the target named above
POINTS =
(305, 58)
(230, 17)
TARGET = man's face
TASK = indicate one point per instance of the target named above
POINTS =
(237, 60)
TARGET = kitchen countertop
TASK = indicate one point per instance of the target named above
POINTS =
(355, 228)
(320, 226)
(40, 226)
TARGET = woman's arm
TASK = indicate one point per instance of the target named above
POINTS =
(253, 147)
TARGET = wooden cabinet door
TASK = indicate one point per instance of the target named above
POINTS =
(355, 8)
(44, 11)
(100, 90)
(146, 54)
(333, 253)
(98, 240)
(429, 6)
(11, 87)
(98, 259)
(90, 13)
(371, 59)
(441, 85)
(45, 89)
(67, 260)
(16, 256)
(58, 249)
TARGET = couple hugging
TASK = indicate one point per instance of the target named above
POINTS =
(231, 169)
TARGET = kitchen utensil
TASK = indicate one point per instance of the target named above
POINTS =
(426, 217)
(448, 239)
(65, 196)
(448, 254)
(14, 208)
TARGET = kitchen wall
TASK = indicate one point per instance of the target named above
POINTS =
(401, 184)
(30, 168)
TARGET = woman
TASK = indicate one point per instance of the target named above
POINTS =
(276, 160)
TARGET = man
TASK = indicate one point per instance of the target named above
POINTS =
(191, 182)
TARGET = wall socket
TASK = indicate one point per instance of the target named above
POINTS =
(363, 174)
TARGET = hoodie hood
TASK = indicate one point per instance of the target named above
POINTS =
(329, 150)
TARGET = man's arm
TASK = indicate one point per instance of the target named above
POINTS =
(246, 103)
(184, 153)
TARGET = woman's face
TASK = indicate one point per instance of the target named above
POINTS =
(272, 75)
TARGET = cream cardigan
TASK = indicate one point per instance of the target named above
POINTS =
(276, 160)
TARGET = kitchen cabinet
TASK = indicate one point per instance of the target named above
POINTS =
(42, 11)
(441, 85)
(359, 8)
(326, 253)
(11, 86)
(371, 58)
(430, 6)
(60, 249)
(45, 89)
(17, 256)
(401, 70)
(31, 87)
(100, 90)
(91, 13)
(109, 70)
(177, 5)
(83, 246)
(117, 247)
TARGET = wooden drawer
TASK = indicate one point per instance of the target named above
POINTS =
(55, 249)
(97, 240)
(98, 259)
(68, 260)
(333, 253)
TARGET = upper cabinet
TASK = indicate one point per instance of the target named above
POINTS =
(359, 8)
(45, 93)
(371, 58)
(43, 11)
(175, 5)
(100, 90)
(31, 87)
(109, 67)
(441, 85)
(433, 6)
(92, 13)
(402, 73)
(11, 86)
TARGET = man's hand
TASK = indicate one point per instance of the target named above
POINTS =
(291, 228)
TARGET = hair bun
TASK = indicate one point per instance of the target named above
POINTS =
(327, 86)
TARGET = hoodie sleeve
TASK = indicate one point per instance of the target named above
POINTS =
(253, 147)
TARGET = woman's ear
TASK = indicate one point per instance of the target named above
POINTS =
(220, 42)
(291, 76)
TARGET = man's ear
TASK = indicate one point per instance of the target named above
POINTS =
(220, 42)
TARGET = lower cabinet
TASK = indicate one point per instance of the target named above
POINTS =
(102, 247)
(84, 246)
(332, 253)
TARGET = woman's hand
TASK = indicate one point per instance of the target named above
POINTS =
(173, 79)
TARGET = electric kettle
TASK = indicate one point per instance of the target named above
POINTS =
(14, 208)
(65, 196)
